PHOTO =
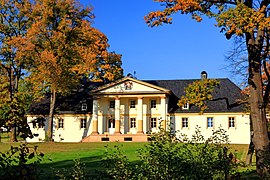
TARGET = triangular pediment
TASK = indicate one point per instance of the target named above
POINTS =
(130, 85)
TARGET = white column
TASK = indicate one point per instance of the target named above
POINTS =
(163, 111)
(117, 115)
(140, 115)
(95, 117)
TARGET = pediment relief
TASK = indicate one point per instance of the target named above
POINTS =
(129, 85)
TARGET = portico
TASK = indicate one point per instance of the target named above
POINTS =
(119, 109)
(128, 114)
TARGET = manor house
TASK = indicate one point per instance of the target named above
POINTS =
(130, 110)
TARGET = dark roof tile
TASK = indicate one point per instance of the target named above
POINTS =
(72, 103)
(227, 90)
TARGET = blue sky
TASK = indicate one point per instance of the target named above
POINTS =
(177, 51)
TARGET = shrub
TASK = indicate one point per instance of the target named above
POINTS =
(116, 164)
(170, 157)
(20, 162)
(77, 172)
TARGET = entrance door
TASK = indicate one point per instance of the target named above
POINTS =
(111, 126)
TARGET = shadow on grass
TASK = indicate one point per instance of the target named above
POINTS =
(49, 169)
(93, 167)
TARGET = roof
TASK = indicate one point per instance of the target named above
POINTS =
(72, 103)
(68, 104)
(227, 90)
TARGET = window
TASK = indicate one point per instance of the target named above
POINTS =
(60, 123)
(185, 106)
(112, 104)
(41, 124)
(231, 122)
(84, 106)
(210, 122)
(38, 122)
(184, 122)
(153, 103)
(111, 123)
(83, 123)
(153, 122)
(132, 104)
(132, 122)
(34, 124)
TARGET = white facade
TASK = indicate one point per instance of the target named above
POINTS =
(71, 130)
(131, 107)
(238, 134)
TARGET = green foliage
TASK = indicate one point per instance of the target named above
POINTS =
(199, 92)
(169, 156)
(77, 172)
(12, 114)
(20, 162)
(116, 164)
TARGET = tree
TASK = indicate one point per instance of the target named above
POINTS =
(198, 93)
(247, 19)
(13, 26)
(64, 48)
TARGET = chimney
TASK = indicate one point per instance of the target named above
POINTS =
(203, 75)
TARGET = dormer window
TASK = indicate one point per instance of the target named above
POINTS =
(185, 106)
(84, 106)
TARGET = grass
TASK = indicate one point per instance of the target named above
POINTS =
(59, 156)
(4, 137)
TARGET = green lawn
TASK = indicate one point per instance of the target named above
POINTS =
(60, 156)
(4, 137)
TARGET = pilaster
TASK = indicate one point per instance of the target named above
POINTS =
(163, 112)
(140, 115)
(95, 117)
(117, 115)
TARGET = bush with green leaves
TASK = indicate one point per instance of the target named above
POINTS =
(20, 162)
(77, 172)
(116, 164)
(168, 156)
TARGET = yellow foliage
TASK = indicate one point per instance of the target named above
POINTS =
(198, 93)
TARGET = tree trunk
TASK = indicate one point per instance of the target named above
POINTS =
(13, 137)
(250, 154)
(51, 115)
(258, 113)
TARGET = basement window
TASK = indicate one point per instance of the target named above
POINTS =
(105, 139)
(128, 139)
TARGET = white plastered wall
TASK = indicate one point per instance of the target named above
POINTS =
(240, 134)
(71, 132)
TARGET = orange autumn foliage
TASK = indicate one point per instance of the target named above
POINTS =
(13, 26)
(62, 47)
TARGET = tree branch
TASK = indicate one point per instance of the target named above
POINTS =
(223, 2)
(230, 106)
